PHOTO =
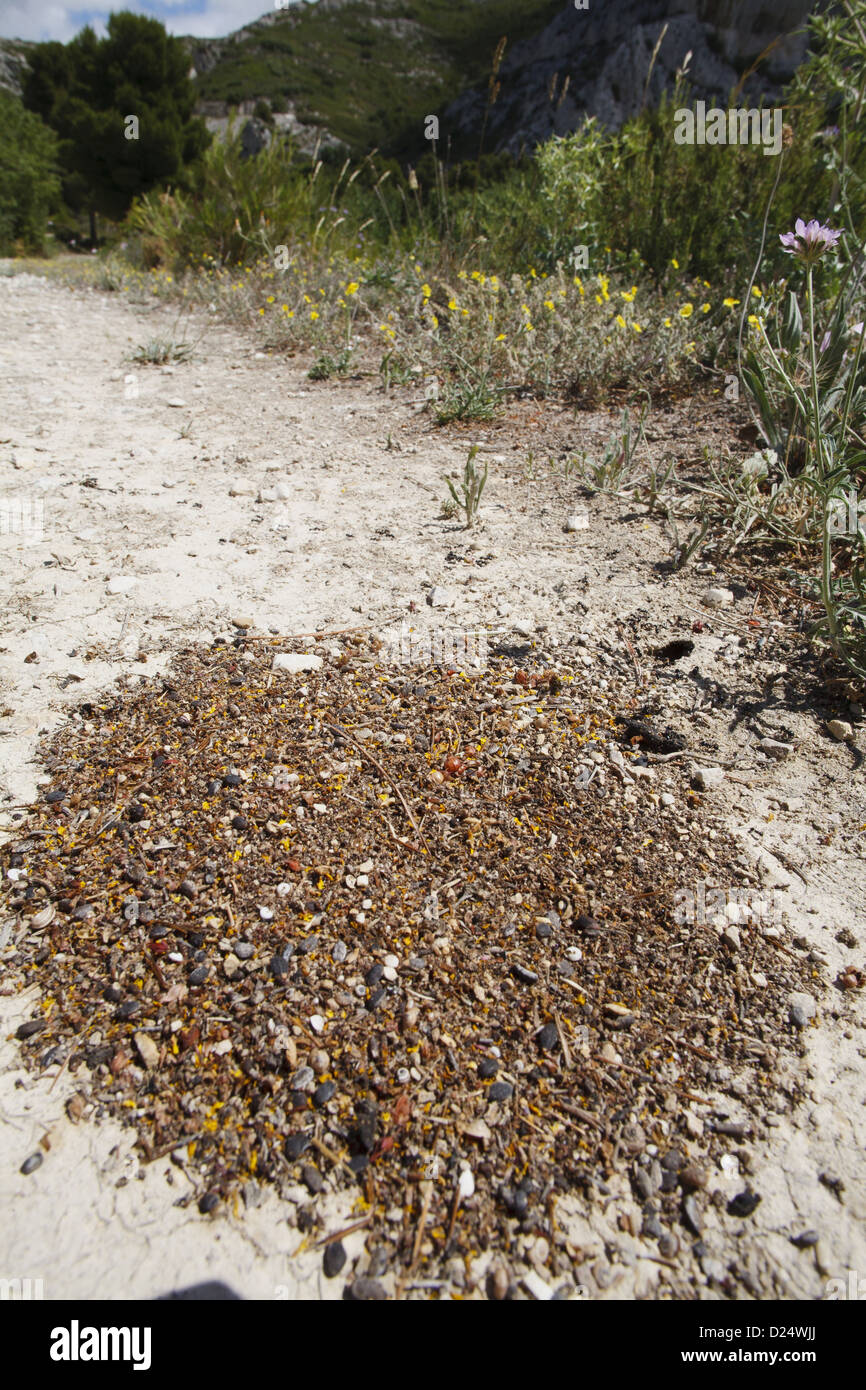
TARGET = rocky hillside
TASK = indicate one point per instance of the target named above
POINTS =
(365, 73)
(595, 62)
(13, 60)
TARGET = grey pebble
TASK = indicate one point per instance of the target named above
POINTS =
(304, 1079)
(312, 1178)
(198, 976)
(548, 1037)
(323, 1093)
(692, 1215)
(244, 950)
(500, 1090)
(339, 952)
(644, 1184)
(366, 1291)
(334, 1259)
(31, 1164)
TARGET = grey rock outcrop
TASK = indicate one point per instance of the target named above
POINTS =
(605, 53)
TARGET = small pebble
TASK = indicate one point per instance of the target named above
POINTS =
(334, 1259)
(366, 1291)
(312, 1178)
(295, 1145)
(487, 1069)
(324, 1093)
(244, 950)
(31, 1164)
(500, 1090)
(548, 1037)
(198, 976)
(743, 1204)
(208, 1202)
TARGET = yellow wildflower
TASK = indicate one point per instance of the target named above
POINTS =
(686, 310)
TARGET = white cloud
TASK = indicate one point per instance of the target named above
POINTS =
(52, 19)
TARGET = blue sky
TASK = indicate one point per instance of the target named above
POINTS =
(53, 19)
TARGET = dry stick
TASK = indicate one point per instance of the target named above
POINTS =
(346, 1231)
(419, 1234)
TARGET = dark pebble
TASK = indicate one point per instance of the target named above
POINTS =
(31, 1164)
(359, 1164)
(743, 1204)
(188, 888)
(548, 1037)
(113, 993)
(652, 1228)
(135, 811)
(669, 1180)
(298, 1100)
(543, 930)
(295, 1145)
(313, 1180)
(366, 1291)
(129, 1009)
(374, 975)
(378, 1262)
(33, 1025)
(375, 999)
(520, 1202)
(208, 1202)
(240, 823)
(198, 976)
(231, 779)
(588, 925)
(500, 1090)
(526, 977)
(673, 1160)
(323, 1093)
(309, 944)
(278, 966)
(805, 1240)
(364, 1133)
(334, 1259)
(487, 1068)
(58, 794)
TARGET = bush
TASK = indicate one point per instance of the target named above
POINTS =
(29, 183)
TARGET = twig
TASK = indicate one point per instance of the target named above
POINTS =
(346, 1231)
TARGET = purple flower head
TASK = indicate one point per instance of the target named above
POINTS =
(809, 240)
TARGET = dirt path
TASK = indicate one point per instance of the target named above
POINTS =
(154, 538)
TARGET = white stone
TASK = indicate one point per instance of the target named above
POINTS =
(465, 1184)
(578, 521)
(317, 1023)
(176, 402)
(717, 598)
(121, 584)
(538, 1287)
(708, 778)
(297, 661)
(840, 729)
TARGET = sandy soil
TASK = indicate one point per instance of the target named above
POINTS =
(154, 538)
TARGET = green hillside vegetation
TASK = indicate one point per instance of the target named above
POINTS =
(370, 74)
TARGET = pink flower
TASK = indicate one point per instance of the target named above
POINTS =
(809, 240)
